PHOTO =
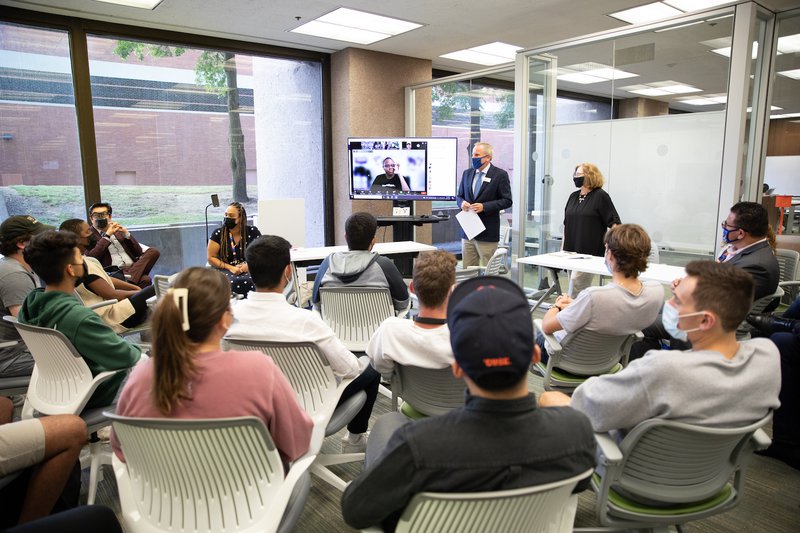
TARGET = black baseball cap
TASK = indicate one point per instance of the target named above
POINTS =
(491, 331)
(20, 225)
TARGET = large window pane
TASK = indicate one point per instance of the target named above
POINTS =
(175, 125)
(40, 165)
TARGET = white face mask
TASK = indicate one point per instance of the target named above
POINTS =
(670, 319)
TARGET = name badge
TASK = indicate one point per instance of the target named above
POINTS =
(485, 179)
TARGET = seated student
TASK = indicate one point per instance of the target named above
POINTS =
(624, 306)
(425, 341)
(499, 440)
(227, 245)
(748, 236)
(784, 331)
(266, 315)
(97, 286)
(114, 246)
(16, 281)
(49, 446)
(57, 260)
(718, 383)
(359, 266)
(189, 376)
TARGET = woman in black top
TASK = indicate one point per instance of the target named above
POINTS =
(227, 245)
(587, 216)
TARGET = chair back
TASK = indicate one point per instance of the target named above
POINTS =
(589, 353)
(788, 261)
(197, 475)
(467, 273)
(161, 284)
(673, 462)
(307, 370)
(505, 235)
(355, 313)
(654, 256)
(744, 329)
(534, 509)
(61, 382)
(430, 391)
(496, 264)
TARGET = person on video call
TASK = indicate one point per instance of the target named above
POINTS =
(486, 190)
(389, 181)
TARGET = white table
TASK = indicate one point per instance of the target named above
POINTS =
(302, 257)
(556, 261)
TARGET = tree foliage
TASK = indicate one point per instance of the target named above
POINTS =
(216, 72)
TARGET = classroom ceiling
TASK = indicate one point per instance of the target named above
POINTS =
(450, 25)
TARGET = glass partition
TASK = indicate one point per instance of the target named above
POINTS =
(40, 163)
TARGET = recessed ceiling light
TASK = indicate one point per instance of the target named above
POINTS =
(789, 44)
(697, 101)
(495, 53)
(695, 5)
(710, 99)
(727, 51)
(354, 26)
(646, 13)
(585, 73)
(661, 88)
(142, 4)
(794, 74)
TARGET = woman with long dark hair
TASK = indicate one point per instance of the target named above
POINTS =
(189, 376)
(227, 245)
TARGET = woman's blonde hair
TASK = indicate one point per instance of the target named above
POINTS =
(209, 293)
(592, 177)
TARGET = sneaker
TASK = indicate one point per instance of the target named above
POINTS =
(355, 443)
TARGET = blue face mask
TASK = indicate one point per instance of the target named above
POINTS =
(670, 319)
(726, 232)
(476, 162)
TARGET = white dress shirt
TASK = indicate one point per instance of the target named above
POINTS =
(267, 316)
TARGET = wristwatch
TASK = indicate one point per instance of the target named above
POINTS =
(558, 307)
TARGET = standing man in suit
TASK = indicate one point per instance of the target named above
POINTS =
(486, 190)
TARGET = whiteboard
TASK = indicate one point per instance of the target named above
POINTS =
(662, 173)
(783, 174)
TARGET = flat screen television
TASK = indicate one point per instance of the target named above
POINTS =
(403, 168)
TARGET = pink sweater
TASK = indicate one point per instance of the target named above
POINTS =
(227, 384)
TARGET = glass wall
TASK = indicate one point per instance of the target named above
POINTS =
(655, 127)
(473, 110)
(172, 125)
(40, 165)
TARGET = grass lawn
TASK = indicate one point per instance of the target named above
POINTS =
(133, 205)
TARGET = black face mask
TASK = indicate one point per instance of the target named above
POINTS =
(578, 181)
(82, 279)
(101, 223)
(229, 222)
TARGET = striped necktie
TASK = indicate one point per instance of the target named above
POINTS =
(476, 183)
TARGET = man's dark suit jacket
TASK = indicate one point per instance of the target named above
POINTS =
(761, 263)
(101, 253)
(495, 195)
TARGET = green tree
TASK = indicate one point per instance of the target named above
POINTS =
(216, 72)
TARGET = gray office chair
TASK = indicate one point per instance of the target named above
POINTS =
(547, 508)
(581, 355)
(497, 263)
(355, 313)
(205, 475)
(667, 472)
(744, 330)
(426, 391)
(789, 276)
(318, 392)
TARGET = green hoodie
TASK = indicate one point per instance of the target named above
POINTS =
(100, 347)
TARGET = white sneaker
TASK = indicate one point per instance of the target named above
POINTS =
(355, 443)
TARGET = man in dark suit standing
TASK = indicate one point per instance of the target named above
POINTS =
(486, 190)
(745, 231)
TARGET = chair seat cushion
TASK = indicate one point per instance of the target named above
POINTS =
(408, 410)
(345, 412)
(622, 505)
(566, 377)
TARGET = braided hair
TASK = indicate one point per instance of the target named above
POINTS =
(226, 250)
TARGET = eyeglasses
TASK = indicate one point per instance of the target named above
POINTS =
(389, 166)
(100, 215)
(724, 225)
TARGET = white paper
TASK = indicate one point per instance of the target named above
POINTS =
(470, 222)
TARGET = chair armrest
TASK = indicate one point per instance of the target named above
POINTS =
(104, 303)
(551, 339)
(8, 344)
(610, 452)
(760, 440)
(794, 283)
